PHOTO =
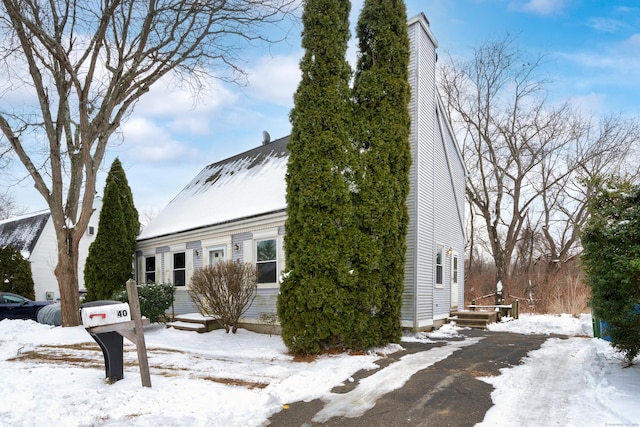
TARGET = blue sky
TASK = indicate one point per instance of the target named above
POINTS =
(593, 57)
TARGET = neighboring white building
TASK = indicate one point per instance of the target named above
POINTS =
(34, 237)
(236, 209)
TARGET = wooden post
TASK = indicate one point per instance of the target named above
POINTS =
(516, 308)
(138, 334)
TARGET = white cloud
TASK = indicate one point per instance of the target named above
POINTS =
(607, 25)
(591, 103)
(634, 41)
(171, 96)
(147, 142)
(275, 78)
(618, 58)
(539, 7)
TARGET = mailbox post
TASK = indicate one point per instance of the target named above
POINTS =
(107, 322)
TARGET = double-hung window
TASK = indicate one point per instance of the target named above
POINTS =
(454, 268)
(439, 267)
(179, 269)
(150, 269)
(266, 264)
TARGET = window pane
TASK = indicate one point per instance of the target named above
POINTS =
(150, 277)
(266, 250)
(266, 272)
(179, 260)
(178, 278)
(150, 263)
(455, 269)
(439, 266)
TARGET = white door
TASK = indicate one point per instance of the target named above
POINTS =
(216, 255)
(454, 280)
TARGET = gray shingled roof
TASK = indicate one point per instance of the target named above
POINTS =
(23, 232)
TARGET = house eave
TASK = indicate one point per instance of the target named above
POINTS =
(238, 221)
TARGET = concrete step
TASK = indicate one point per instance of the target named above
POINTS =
(194, 322)
(188, 326)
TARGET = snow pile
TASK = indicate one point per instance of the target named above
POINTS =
(563, 324)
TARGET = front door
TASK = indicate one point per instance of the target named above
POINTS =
(216, 255)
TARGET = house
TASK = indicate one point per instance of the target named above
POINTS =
(236, 208)
(34, 237)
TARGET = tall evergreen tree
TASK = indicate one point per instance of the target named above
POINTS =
(15, 273)
(110, 260)
(381, 132)
(611, 258)
(315, 305)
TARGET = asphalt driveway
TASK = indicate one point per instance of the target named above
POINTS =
(447, 393)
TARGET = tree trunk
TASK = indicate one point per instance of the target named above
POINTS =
(66, 272)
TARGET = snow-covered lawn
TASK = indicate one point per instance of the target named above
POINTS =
(55, 376)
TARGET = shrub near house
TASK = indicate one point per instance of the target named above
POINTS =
(155, 299)
(611, 256)
(224, 290)
(15, 273)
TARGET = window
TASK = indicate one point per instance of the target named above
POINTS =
(179, 269)
(13, 299)
(266, 261)
(454, 268)
(150, 269)
(439, 267)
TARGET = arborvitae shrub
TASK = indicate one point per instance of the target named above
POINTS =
(381, 117)
(15, 273)
(611, 257)
(155, 300)
(110, 261)
(315, 305)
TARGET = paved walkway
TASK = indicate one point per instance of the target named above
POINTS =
(446, 393)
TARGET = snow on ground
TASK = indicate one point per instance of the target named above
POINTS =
(570, 382)
(55, 376)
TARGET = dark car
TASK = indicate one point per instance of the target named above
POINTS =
(14, 306)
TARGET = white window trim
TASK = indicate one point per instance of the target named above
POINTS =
(454, 254)
(258, 237)
(265, 234)
(439, 248)
(156, 270)
(220, 241)
(209, 249)
(188, 256)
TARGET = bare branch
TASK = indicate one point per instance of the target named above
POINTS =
(87, 64)
(528, 161)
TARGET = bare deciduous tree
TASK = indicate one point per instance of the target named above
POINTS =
(528, 159)
(8, 207)
(85, 64)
